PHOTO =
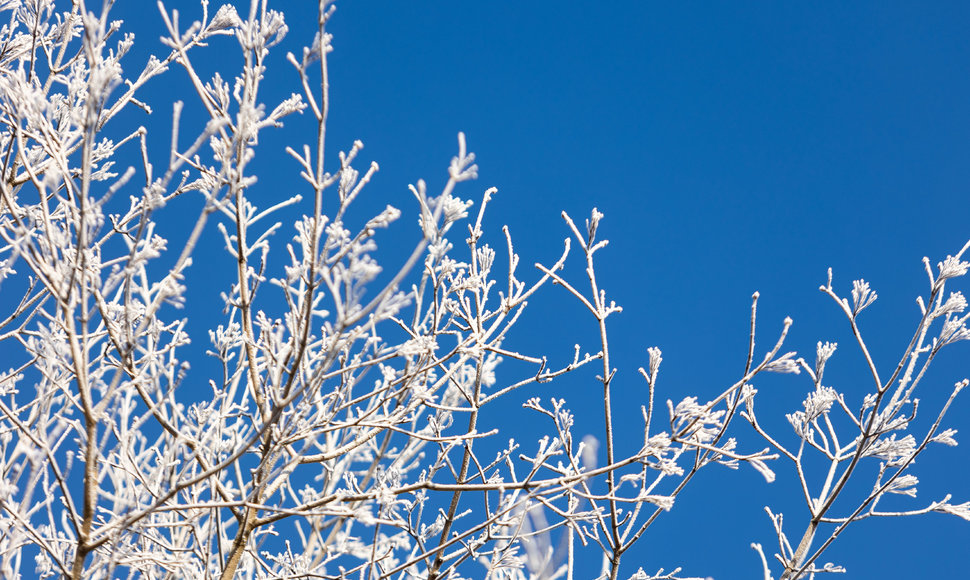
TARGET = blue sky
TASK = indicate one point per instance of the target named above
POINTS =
(733, 147)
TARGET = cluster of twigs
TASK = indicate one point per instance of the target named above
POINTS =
(344, 436)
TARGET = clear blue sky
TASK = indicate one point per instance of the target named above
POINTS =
(733, 147)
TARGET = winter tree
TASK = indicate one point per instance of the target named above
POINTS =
(347, 429)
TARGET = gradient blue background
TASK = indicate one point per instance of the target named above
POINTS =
(733, 147)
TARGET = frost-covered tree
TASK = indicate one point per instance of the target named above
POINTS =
(343, 433)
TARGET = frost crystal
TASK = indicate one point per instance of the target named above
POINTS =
(904, 485)
(862, 296)
(952, 268)
(226, 17)
(655, 360)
